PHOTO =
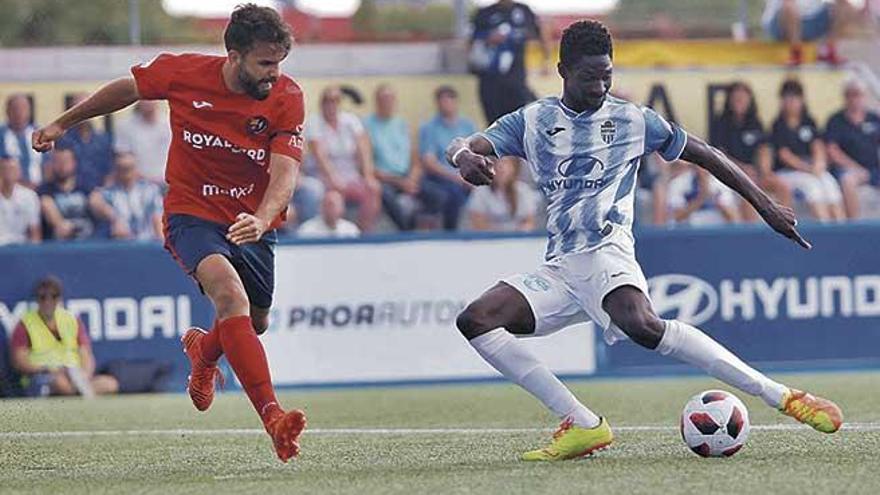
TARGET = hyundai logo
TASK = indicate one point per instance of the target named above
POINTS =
(683, 297)
(581, 166)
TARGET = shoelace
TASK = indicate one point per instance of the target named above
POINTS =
(566, 425)
(801, 410)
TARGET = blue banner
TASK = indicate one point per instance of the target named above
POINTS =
(133, 297)
(763, 297)
(766, 299)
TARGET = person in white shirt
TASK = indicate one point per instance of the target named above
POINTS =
(147, 136)
(508, 205)
(330, 222)
(15, 139)
(795, 21)
(696, 198)
(19, 207)
(339, 154)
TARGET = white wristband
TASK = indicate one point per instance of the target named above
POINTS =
(455, 155)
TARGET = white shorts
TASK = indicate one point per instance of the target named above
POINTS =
(822, 189)
(570, 289)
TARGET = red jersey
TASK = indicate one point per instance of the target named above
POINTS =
(218, 163)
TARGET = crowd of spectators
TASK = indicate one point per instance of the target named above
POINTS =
(381, 174)
(94, 185)
(825, 172)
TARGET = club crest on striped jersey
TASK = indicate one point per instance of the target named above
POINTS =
(608, 131)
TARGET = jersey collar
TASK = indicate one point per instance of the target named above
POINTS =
(572, 114)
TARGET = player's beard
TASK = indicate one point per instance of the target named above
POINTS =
(255, 88)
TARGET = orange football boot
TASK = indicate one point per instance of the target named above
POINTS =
(203, 377)
(821, 414)
(285, 429)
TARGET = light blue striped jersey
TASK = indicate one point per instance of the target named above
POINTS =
(585, 164)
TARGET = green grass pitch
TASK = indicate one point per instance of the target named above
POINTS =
(361, 441)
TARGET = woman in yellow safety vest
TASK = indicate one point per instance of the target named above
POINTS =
(51, 350)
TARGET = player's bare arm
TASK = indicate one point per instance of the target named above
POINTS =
(109, 98)
(474, 157)
(780, 218)
(282, 179)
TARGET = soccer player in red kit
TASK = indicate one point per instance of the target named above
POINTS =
(235, 152)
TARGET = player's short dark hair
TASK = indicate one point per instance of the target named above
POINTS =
(445, 90)
(251, 23)
(587, 37)
(791, 87)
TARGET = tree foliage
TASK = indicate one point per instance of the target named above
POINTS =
(398, 20)
(694, 17)
(91, 22)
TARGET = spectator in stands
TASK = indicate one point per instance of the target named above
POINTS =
(94, 154)
(131, 205)
(739, 133)
(508, 204)
(15, 139)
(339, 153)
(497, 55)
(146, 135)
(795, 21)
(853, 136)
(696, 198)
(406, 199)
(330, 222)
(19, 206)
(65, 201)
(52, 351)
(801, 159)
(434, 136)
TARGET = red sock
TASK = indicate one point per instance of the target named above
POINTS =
(211, 348)
(248, 360)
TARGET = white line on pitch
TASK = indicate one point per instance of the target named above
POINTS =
(385, 431)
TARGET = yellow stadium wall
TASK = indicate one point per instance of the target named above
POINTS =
(686, 90)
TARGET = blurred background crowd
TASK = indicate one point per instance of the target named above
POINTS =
(370, 169)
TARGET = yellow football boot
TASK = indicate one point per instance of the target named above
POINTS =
(821, 414)
(571, 442)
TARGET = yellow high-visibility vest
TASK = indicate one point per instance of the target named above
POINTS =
(47, 349)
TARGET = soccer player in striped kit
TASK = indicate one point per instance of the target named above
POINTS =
(584, 149)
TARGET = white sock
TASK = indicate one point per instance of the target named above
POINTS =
(689, 344)
(501, 349)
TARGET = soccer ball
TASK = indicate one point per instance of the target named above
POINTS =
(715, 423)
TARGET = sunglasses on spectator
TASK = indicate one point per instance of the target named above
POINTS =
(46, 296)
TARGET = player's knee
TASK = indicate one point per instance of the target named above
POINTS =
(474, 321)
(229, 300)
(643, 327)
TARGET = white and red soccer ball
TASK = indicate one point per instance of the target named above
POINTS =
(715, 423)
